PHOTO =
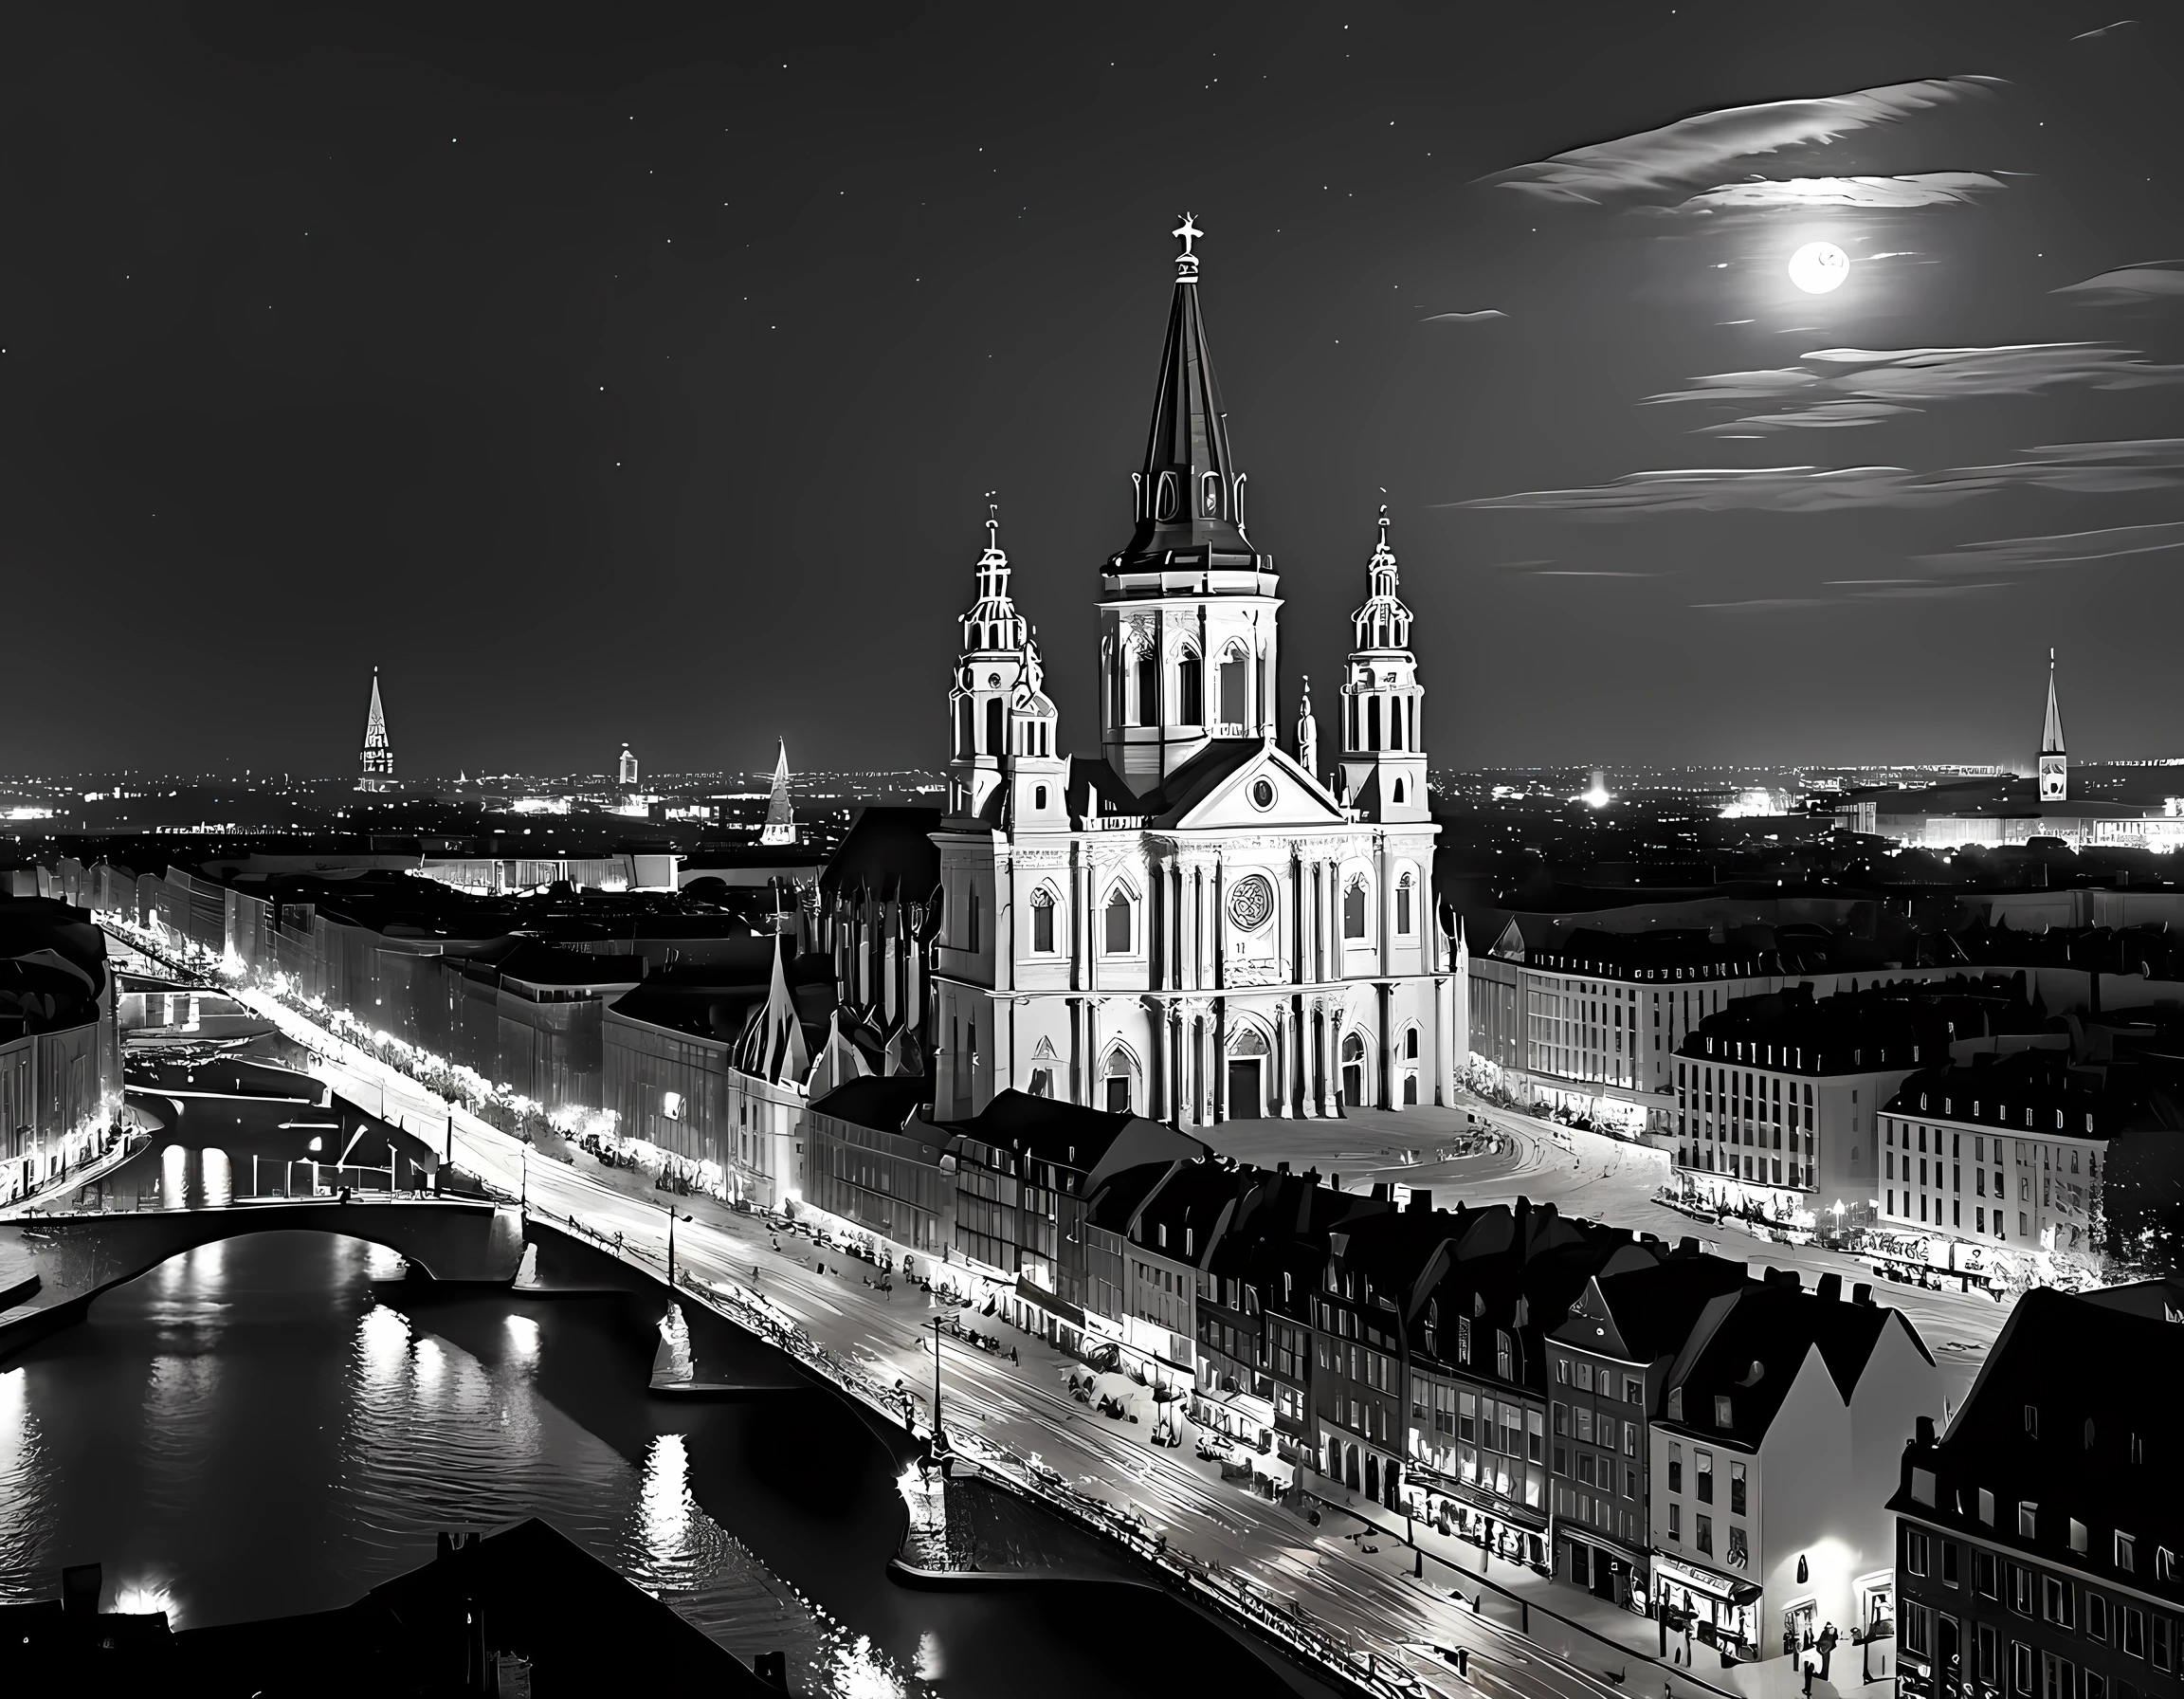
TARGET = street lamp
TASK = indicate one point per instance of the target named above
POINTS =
(938, 1441)
(671, 1242)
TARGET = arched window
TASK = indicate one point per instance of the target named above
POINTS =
(1043, 908)
(1354, 908)
(1232, 687)
(993, 731)
(1399, 798)
(1371, 722)
(1189, 689)
(1410, 1044)
(1119, 922)
(1039, 802)
(964, 744)
(1403, 895)
(1147, 666)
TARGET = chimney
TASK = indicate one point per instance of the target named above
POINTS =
(1925, 1431)
(1862, 1293)
(1334, 1180)
(1381, 1192)
(1421, 1202)
(1830, 1286)
(1283, 1166)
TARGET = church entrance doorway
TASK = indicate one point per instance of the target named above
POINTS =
(1246, 1100)
(1354, 1071)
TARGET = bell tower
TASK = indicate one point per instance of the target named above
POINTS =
(2054, 764)
(1003, 724)
(1383, 769)
(1188, 609)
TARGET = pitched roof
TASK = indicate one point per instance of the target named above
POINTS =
(1749, 1346)
(1642, 1314)
(887, 853)
(1070, 1136)
(882, 1102)
(2071, 1399)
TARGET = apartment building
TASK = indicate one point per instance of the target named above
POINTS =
(1610, 1361)
(2041, 1537)
(1773, 1461)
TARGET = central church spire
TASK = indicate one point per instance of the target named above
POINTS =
(1188, 610)
(1188, 498)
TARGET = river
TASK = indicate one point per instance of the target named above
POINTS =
(257, 1429)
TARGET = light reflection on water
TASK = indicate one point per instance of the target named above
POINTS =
(245, 1433)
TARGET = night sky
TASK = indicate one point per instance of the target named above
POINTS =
(642, 378)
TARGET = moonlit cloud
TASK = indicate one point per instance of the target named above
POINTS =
(2075, 468)
(1695, 152)
(2129, 285)
(1838, 387)
(1894, 590)
(1768, 604)
(1926, 593)
(1928, 189)
(2068, 548)
(1464, 317)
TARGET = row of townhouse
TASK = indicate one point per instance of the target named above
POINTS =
(647, 1017)
(1648, 1423)
(1590, 1013)
(1778, 1096)
(2041, 1534)
(60, 1042)
(2062, 1161)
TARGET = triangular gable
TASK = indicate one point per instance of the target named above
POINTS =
(1592, 1324)
(1299, 801)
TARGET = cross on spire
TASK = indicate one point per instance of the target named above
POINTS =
(1187, 262)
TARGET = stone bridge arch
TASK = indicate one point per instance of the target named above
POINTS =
(75, 1258)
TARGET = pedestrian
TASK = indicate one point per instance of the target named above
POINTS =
(1012, 1353)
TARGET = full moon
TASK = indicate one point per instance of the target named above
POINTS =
(1819, 267)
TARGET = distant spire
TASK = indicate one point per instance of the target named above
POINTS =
(2051, 734)
(780, 826)
(376, 760)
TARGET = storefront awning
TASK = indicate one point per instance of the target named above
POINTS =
(1046, 1301)
(1704, 1580)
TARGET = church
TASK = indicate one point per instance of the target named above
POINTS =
(1195, 924)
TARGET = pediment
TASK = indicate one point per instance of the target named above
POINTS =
(1299, 800)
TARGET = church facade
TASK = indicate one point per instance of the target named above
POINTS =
(1196, 924)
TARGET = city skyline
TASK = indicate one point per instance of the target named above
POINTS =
(1547, 311)
(712, 969)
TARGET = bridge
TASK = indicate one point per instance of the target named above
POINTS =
(57, 1266)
